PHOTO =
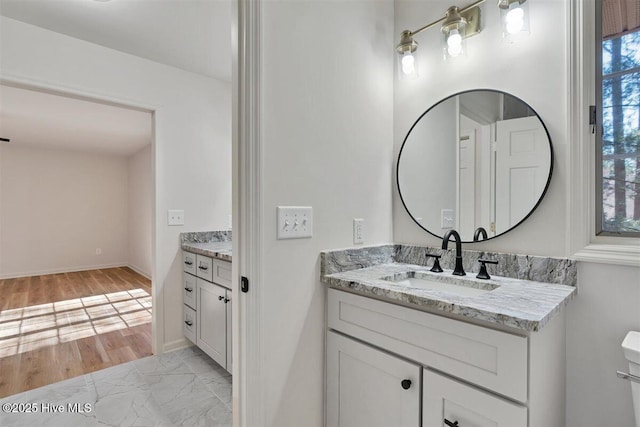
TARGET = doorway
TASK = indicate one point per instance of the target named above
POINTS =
(76, 218)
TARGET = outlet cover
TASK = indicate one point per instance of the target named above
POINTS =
(294, 222)
(358, 230)
(175, 217)
(448, 218)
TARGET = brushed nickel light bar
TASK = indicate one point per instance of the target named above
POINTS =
(457, 25)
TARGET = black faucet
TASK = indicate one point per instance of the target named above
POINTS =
(480, 231)
(459, 270)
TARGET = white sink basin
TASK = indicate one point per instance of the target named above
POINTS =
(448, 284)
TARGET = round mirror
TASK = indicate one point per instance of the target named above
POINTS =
(478, 162)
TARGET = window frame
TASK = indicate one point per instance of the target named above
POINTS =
(583, 242)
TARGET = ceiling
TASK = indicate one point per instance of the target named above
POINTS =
(194, 35)
(37, 119)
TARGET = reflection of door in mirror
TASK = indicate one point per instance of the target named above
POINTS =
(522, 169)
(474, 177)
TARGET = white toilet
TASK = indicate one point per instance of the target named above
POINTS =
(631, 348)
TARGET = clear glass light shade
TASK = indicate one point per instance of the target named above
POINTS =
(515, 21)
(407, 65)
(454, 44)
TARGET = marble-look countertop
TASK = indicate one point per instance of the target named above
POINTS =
(214, 244)
(522, 304)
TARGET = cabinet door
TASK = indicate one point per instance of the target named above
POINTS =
(189, 290)
(204, 267)
(229, 358)
(222, 273)
(189, 323)
(448, 399)
(212, 321)
(189, 262)
(369, 388)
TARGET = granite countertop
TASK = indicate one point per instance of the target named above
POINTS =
(521, 304)
(214, 244)
(219, 250)
(513, 302)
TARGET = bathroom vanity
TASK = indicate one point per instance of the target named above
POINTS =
(207, 295)
(409, 347)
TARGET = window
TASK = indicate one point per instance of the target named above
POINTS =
(618, 140)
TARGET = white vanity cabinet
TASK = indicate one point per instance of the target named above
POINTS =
(459, 371)
(207, 306)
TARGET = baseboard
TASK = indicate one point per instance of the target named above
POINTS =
(62, 270)
(176, 345)
(139, 271)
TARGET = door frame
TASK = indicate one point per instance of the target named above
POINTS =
(249, 394)
(157, 315)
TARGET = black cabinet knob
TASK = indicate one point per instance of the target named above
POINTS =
(226, 300)
(220, 297)
(188, 289)
(406, 384)
(451, 424)
(188, 322)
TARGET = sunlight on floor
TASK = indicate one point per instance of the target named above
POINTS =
(29, 328)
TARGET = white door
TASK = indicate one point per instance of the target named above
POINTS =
(522, 169)
(467, 184)
(369, 388)
(446, 402)
(212, 321)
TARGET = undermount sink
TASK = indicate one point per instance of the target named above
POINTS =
(448, 284)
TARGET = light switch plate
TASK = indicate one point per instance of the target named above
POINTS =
(175, 217)
(294, 222)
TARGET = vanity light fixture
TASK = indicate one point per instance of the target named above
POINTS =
(457, 25)
(514, 15)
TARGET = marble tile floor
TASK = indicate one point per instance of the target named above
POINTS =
(181, 388)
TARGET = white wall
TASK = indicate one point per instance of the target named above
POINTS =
(607, 306)
(608, 301)
(491, 64)
(326, 132)
(140, 211)
(58, 207)
(192, 152)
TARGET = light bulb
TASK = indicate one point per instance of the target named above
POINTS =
(454, 43)
(514, 20)
(408, 63)
(454, 39)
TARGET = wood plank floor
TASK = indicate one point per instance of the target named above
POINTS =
(60, 326)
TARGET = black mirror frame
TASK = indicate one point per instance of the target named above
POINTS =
(546, 187)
